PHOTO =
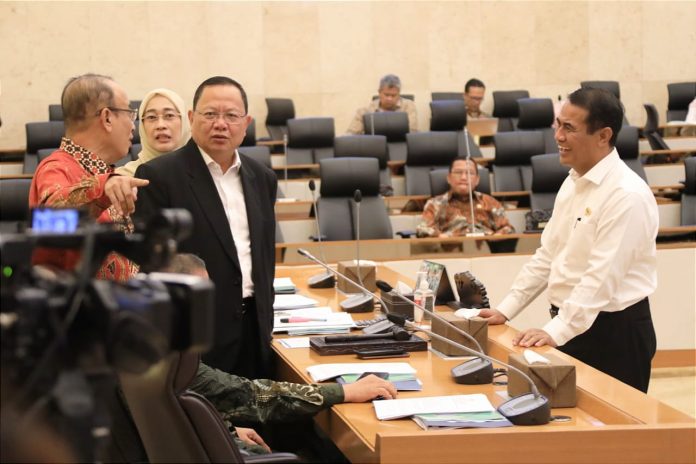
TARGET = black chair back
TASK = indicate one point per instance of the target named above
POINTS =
(447, 96)
(680, 95)
(627, 145)
(505, 108)
(447, 115)
(279, 111)
(548, 175)
(55, 113)
(688, 198)
(14, 198)
(512, 169)
(310, 140)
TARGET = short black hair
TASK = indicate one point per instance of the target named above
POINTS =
(461, 158)
(603, 110)
(473, 83)
(220, 80)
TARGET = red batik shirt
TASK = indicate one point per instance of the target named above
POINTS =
(74, 177)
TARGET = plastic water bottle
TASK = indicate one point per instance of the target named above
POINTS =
(424, 297)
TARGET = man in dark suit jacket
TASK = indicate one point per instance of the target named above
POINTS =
(231, 198)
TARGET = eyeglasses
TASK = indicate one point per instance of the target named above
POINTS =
(462, 173)
(132, 114)
(166, 117)
(232, 119)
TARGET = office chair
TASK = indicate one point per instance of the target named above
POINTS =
(680, 95)
(447, 115)
(536, 114)
(55, 113)
(439, 185)
(178, 425)
(611, 86)
(14, 198)
(512, 170)
(505, 108)
(340, 177)
(365, 146)
(260, 153)
(628, 148)
(279, 111)
(394, 126)
(547, 177)
(41, 135)
(650, 131)
(250, 136)
(688, 196)
(310, 140)
(427, 151)
(447, 96)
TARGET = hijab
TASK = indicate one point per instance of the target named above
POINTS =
(148, 152)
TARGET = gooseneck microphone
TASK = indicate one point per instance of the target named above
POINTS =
(526, 409)
(361, 303)
(472, 229)
(285, 167)
(396, 332)
(325, 279)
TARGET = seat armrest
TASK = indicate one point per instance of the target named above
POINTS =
(406, 233)
(315, 238)
(272, 457)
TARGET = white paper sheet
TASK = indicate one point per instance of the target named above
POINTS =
(396, 409)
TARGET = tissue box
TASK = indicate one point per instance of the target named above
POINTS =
(396, 305)
(556, 381)
(476, 327)
(349, 269)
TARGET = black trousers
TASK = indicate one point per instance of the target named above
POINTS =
(620, 344)
(242, 357)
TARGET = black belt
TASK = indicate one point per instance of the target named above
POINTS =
(248, 303)
(553, 310)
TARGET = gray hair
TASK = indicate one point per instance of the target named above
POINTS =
(390, 80)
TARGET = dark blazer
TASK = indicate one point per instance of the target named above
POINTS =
(181, 180)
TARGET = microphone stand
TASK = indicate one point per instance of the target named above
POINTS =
(285, 168)
(472, 231)
(361, 303)
(526, 409)
(326, 279)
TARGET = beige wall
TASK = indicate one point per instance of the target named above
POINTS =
(329, 56)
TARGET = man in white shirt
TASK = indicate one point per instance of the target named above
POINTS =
(231, 198)
(597, 255)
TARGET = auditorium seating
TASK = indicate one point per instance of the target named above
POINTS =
(512, 170)
(450, 115)
(260, 153)
(505, 108)
(310, 140)
(688, 197)
(279, 111)
(45, 134)
(650, 131)
(627, 144)
(427, 151)
(394, 126)
(536, 114)
(447, 96)
(547, 176)
(14, 198)
(250, 136)
(680, 95)
(365, 146)
(340, 177)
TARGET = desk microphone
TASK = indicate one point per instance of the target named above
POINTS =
(472, 232)
(527, 409)
(361, 303)
(326, 279)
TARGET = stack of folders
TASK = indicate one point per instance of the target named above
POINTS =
(283, 285)
(454, 411)
(312, 321)
(402, 382)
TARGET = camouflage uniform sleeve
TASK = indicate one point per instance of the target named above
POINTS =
(428, 227)
(261, 400)
(498, 217)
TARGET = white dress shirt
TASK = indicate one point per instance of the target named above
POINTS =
(597, 252)
(229, 187)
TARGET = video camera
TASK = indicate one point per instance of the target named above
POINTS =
(62, 330)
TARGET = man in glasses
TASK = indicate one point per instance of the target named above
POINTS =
(98, 132)
(231, 198)
(474, 92)
(388, 99)
(449, 214)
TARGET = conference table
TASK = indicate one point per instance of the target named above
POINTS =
(611, 422)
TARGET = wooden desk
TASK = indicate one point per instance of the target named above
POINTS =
(611, 423)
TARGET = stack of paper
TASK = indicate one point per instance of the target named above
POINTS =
(402, 382)
(283, 302)
(396, 409)
(283, 285)
(307, 321)
(321, 372)
(488, 419)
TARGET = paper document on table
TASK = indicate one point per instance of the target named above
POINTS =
(321, 372)
(312, 321)
(292, 301)
(284, 285)
(295, 342)
(396, 409)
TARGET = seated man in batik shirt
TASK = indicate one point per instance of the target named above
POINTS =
(449, 214)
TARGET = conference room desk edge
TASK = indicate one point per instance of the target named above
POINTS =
(612, 422)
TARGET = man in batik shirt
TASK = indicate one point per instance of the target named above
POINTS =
(98, 132)
(449, 214)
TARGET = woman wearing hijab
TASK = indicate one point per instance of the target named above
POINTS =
(164, 127)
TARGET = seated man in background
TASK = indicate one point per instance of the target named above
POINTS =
(449, 214)
(389, 100)
(242, 400)
(80, 174)
(474, 91)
